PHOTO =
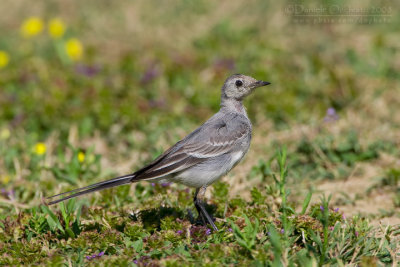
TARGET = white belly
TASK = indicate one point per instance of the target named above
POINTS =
(208, 172)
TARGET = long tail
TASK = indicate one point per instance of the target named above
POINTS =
(126, 179)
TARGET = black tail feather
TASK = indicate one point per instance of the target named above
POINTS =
(126, 179)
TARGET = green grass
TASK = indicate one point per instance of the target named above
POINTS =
(149, 74)
(252, 232)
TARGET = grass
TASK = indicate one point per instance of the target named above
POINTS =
(329, 196)
(167, 234)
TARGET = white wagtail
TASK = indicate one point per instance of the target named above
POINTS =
(202, 157)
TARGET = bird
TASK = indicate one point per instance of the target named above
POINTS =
(203, 156)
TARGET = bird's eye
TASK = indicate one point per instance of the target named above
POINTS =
(239, 83)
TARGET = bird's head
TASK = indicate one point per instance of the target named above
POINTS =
(238, 86)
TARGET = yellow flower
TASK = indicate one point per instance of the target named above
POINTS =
(32, 26)
(56, 28)
(5, 179)
(74, 49)
(81, 157)
(4, 59)
(40, 148)
(5, 134)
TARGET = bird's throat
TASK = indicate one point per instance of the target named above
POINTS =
(233, 105)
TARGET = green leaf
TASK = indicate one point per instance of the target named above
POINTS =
(138, 245)
(52, 219)
(306, 202)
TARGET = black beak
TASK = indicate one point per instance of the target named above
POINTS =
(260, 83)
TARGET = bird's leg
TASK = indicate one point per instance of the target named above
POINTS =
(199, 204)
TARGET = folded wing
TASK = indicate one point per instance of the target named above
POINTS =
(212, 139)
